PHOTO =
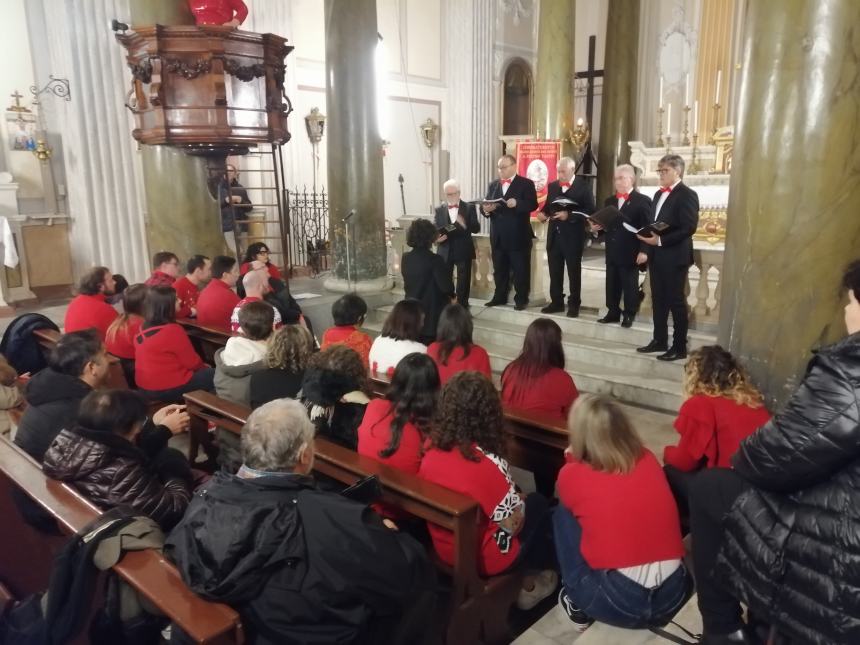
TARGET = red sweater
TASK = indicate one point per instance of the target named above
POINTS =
(274, 272)
(374, 433)
(552, 393)
(627, 520)
(164, 358)
(351, 337)
(86, 312)
(217, 12)
(215, 304)
(121, 343)
(711, 429)
(187, 293)
(160, 279)
(477, 361)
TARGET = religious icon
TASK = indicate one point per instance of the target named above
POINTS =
(21, 128)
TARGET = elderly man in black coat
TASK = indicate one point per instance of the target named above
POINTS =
(460, 220)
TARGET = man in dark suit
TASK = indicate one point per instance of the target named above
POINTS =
(622, 247)
(669, 257)
(511, 232)
(565, 239)
(456, 247)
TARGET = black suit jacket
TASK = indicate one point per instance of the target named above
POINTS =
(459, 245)
(426, 278)
(622, 246)
(571, 232)
(681, 212)
(510, 229)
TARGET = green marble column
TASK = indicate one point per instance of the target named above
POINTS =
(618, 103)
(793, 221)
(553, 99)
(182, 216)
(354, 147)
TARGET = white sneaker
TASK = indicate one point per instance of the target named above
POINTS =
(545, 583)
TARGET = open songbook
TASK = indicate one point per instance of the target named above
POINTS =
(498, 200)
(658, 228)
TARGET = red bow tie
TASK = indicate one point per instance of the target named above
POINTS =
(665, 190)
(506, 182)
(454, 206)
(622, 195)
(564, 185)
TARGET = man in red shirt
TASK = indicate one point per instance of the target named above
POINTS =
(216, 302)
(229, 13)
(198, 272)
(165, 268)
(256, 283)
(89, 308)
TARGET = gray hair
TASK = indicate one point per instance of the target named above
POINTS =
(451, 183)
(626, 168)
(567, 162)
(254, 280)
(275, 435)
(673, 161)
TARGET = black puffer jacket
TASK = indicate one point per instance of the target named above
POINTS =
(792, 547)
(111, 471)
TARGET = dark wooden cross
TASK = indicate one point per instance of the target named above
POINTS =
(590, 74)
(17, 97)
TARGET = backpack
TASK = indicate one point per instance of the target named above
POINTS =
(20, 347)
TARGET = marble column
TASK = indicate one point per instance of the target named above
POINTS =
(355, 181)
(182, 216)
(618, 104)
(553, 98)
(792, 220)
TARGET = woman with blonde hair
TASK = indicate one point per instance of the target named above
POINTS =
(617, 534)
(290, 349)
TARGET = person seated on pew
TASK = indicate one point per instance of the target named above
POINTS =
(536, 380)
(722, 408)
(165, 268)
(120, 284)
(454, 350)
(77, 365)
(10, 393)
(300, 564)
(119, 340)
(779, 530)
(114, 455)
(617, 533)
(290, 349)
(400, 336)
(89, 309)
(198, 272)
(216, 302)
(166, 366)
(466, 454)
(256, 284)
(259, 252)
(348, 313)
(394, 428)
(334, 391)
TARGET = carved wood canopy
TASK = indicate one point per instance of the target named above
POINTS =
(207, 87)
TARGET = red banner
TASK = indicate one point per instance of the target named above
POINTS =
(537, 160)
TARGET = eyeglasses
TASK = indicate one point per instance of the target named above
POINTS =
(263, 252)
(663, 171)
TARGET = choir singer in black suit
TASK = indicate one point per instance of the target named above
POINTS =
(565, 239)
(511, 232)
(456, 247)
(669, 257)
(622, 247)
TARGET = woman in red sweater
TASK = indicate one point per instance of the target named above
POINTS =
(119, 339)
(454, 350)
(617, 534)
(536, 381)
(722, 408)
(166, 365)
(466, 454)
(260, 252)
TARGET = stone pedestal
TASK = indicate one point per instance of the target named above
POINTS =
(794, 224)
(553, 97)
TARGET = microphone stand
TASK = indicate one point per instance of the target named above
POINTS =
(346, 221)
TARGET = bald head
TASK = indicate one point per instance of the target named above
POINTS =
(256, 283)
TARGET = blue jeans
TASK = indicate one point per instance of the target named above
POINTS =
(202, 379)
(607, 595)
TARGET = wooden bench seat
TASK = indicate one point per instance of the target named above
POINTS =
(28, 553)
(475, 603)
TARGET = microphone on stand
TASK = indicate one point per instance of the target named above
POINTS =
(348, 215)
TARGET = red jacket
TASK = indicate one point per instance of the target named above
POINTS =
(552, 393)
(215, 304)
(218, 12)
(86, 312)
(477, 361)
(188, 293)
(121, 343)
(164, 358)
(351, 337)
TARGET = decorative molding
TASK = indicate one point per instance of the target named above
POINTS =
(186, 69)
(142, 71)
(518, 9)
(248, 73)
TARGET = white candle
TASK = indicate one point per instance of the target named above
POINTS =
(717, 93)
(687, 92)
(695, 117)
(661, 90)
(669, 120)
(579, 122)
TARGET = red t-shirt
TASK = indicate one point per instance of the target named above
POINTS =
(627, 520)
(164, 358)
(160, 279)
(552, 393)
(486, 481)
(477, 361)
(274, 272)
(374, 434)
(712, 427)
(121, 343)
(89, 312)
(351, 337)
(215, 304)
(187, 293)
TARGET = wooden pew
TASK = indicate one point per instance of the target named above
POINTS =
(48, 338)
(476, 604)
(206, 340)
(28, 553)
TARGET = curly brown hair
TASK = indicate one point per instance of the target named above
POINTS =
(469, 412)
(713, 371)
(290, 348)
(344, 360)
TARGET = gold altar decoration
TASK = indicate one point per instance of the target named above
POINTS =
(712, 225)
(724, 141)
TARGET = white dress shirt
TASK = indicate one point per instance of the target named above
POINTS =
(660, 202)
(452, 212)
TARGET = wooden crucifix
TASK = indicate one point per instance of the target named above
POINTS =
(588, 163)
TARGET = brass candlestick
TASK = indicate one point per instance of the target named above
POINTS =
(716, 120)
(659, 142)
(668, 144)
(694, 165)
(685, 141)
